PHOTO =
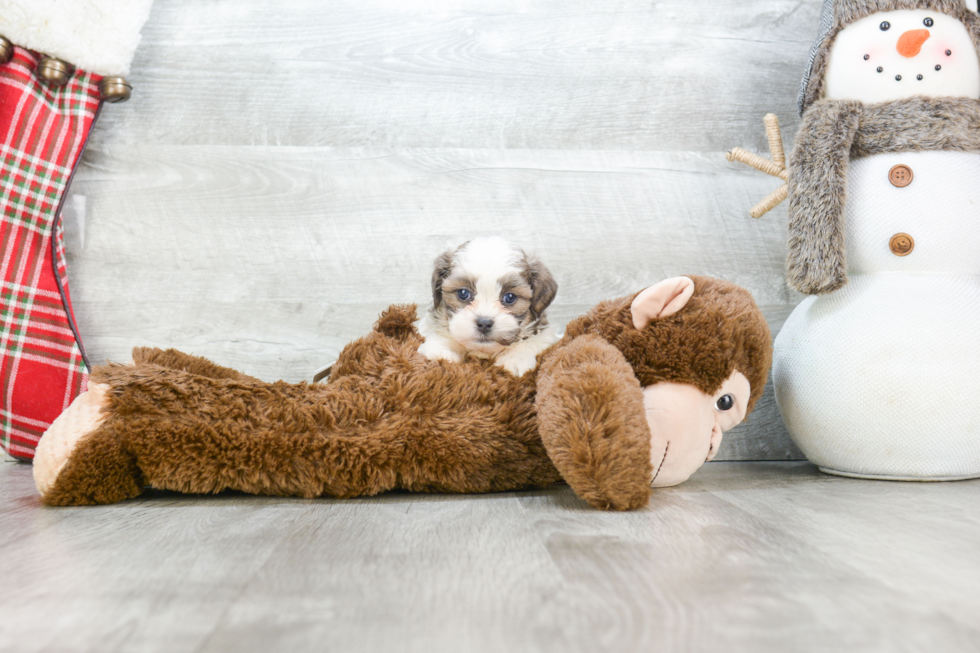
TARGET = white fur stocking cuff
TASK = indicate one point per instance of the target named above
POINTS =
(98, 36)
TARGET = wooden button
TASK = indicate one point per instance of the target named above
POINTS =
(900, 175)
(901, 244)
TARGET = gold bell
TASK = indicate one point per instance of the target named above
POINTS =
(6, 50)
(54, 71)
(115, 89)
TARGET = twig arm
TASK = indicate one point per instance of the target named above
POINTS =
(775, 140)
(770, 202)
(757, 162)
(776, 167)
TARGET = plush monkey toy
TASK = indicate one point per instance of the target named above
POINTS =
(637, 393)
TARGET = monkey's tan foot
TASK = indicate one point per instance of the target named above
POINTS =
(82, 417)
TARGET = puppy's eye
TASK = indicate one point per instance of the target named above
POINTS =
(464, 295)
(725, 402)
(885, 25)
(509, 298)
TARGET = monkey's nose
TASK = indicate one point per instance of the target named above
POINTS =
(484, 325)
(911, 42)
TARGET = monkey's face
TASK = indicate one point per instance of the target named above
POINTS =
(686, 425)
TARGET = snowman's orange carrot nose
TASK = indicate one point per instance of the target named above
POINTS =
(911, 42)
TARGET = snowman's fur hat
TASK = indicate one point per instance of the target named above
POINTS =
(837, 14)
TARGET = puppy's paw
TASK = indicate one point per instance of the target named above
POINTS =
(435, 351)
(517, 362)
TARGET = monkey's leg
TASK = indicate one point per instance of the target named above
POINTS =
(178, 431)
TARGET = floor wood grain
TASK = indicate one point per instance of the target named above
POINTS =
(753, 557)
(285, 171)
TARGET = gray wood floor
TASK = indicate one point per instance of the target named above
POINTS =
(754, 557)
(285, 170)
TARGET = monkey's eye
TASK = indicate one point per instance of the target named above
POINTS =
(725, 402)
(927, 22)
(509, 299)
(464, 295)
(885, 25)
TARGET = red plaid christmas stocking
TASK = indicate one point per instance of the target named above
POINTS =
(42, 364)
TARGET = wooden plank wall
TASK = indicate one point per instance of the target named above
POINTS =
(285, 170)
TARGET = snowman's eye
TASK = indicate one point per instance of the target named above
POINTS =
(927, 22)
(885, 25)
(724, 403)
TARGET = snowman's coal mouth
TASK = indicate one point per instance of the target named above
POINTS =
(919, 77)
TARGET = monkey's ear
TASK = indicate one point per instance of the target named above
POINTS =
(440, 272)
(661, 300)
(543, 285)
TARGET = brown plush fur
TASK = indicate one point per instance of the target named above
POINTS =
(832, 133)
(592, 421)
(390, 419)
(848, 11)
(402, 422)
(720, 330)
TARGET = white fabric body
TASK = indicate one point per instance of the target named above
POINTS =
(880, 378)
(850, 76)
(98, 36)
(940, 209)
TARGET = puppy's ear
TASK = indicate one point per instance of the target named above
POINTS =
(543, 286)
(444, 264)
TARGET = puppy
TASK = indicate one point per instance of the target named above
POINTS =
(488, 301)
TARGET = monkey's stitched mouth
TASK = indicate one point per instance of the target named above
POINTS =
(661, 465)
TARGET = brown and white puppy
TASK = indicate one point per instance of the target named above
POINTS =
(488, 301)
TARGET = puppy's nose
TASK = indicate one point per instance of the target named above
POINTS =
(911, 42)
(484, 324)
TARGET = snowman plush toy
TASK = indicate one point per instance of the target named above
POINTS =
(876, 373)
